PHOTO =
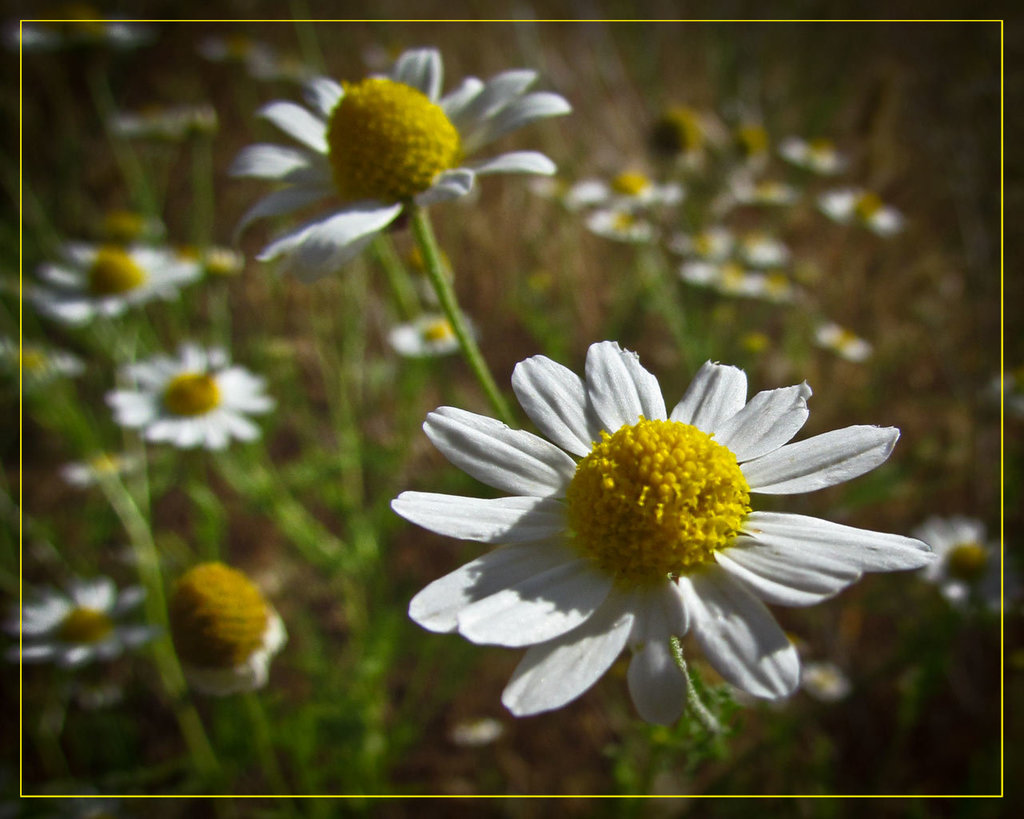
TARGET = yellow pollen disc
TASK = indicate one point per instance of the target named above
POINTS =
(704, 244)
(752, 140)
(104, 464)
(777, 282)
(967, 561)
(438, 331)
(114, 271)
(623, 221)
(237, 46)
(656, 498)
(192, 394)
(630, 184)
(85, 625)
(845, 338)
(755, 342)
(732, 274)
(218, 617)
(33, 360)
(387, 141)
(820, 146)
(868, 204)
(123, 225)
(677, 132)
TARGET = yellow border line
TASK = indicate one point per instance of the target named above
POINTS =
(20, 715)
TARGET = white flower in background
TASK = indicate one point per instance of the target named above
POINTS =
(426, 337)
(761, 250)
(965, 562)
(627, 191)
(78, 24)
(752, 143)
(817, 155)
(842, 342)
(1009, 388)
(126, 227)
(620, 225)
(79, 627)
(683, 134)
(847, 205)
(634, 524)
(374, 148)
(259, 59)
(225, 632)
(769, 192)
(825, 681)
(105, 280)
(38, 365)
(477, 733)
(196, 399)
(172, 123)
(732, 279)
(216, 261)
(715, 244)
(100, 466)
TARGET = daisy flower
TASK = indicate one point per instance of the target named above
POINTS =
(622, 225)
(767, 192)
(732, 279)
(847, 205)
(633, 524)
(125, 227)
(965, 562)
(377, 147)
(215, 261)
(426, 337)
(762, 250)
(79, 627)
(682, 133)
(105, 280)
(38, 365)
(78, 24)
(225, 633)
(825, 682)
(752, 142)
(83, 474)
(1009, 388)
(477, 733)
(196, 399)
(715, 244)
(630, 190)
(817, 155)
(169, 123)
(842, 342)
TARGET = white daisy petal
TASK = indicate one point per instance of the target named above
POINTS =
(98, 594)
(501, 520)
(497, 93)
(770, 419)
(555, 673)
(516, 162)
(619, 388)
(437, 606)
(280, 202)
(422, 69)
(323, 94)
(824, 460)
(555, 399)
(655, 682)
(716, 393)
(298, 123)
(513, 460)
(538, 608)
(456, 103)
(521, 112)
(262, 161)
(449, 185)
(738, 634)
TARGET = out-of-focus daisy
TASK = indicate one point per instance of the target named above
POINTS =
(39, 365)
(1010, 388)
(714, 244)
(847, 205)
(817, 155)
(825, 681)
(225, 632)
(171, 123)
(682, 133)
(426, 337)
(102, 465)
(633, 524)
(732, 279)
(623, 225)
(196, 399)
(78, 627)
(375, 147)
(104, 280)
(215, 261)
(477, 733)
(755, 342)
(630, 190)
(966, 562)
(842, 342)
(744, 191)
(78, 24)
(752, 143)
(125, 227)
(234, 48)
(762, 250)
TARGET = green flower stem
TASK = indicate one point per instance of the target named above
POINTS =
(265, 749)
(402, 289)
(424, 234)
(693, 701)
(156, 610)
(202, 190)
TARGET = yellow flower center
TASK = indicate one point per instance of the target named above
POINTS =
(821, 146)
(623, 221)
(777, 283)
(440, 330)
(237, 46)
(113, 272)
(218, 617)
(868, 204)
(967, 561)
(630, 184)
(192, 394)
(85, 625)
(104, 464)
(752, 140)
(388, 141)
(654, 499)
(732, 275)
(222, 261)
(123, 225)
(755, 342)
(677, 132)
(33, 360)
